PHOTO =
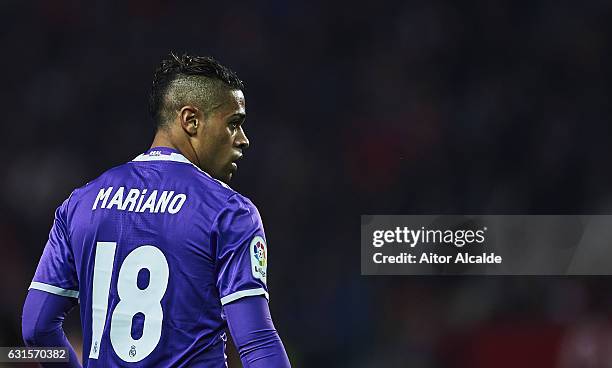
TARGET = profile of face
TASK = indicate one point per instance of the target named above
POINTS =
(220, 141)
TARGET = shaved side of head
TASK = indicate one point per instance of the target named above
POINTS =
(189, 80)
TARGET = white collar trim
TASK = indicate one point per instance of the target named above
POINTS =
(176, 157)
(173, 156)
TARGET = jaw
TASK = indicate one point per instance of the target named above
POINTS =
(223, 172)
(225, 176)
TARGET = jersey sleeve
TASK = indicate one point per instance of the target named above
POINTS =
(56, 271)
(241, 251)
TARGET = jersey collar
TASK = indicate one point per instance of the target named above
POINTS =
(170, 154)
(162, 154)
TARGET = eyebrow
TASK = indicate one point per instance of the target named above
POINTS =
(213, 108)
(239, 114)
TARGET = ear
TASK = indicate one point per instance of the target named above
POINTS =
(190, 118)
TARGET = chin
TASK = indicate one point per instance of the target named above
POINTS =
(224, 175)
(225, 178)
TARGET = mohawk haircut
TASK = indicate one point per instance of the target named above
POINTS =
(182, 80)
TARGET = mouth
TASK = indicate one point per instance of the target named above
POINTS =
(234, 162)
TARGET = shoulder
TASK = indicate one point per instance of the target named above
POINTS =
(239, 211)
(228, 197)
(94, 184)
(241, 200)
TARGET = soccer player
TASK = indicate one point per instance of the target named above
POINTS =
(160, 253)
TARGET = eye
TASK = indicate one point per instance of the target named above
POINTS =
(234, 125)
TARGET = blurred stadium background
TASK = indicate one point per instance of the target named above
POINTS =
(353, 108)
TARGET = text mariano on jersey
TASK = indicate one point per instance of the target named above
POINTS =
(133, 200)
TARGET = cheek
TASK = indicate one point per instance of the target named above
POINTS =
(217, 145)
(211, 143)
(225, 142)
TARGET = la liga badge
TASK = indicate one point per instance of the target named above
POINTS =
(259, 258)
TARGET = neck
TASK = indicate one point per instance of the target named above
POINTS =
(164, 138)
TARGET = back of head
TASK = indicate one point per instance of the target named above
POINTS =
(182, 80)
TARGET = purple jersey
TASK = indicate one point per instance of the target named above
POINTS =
(153, 249)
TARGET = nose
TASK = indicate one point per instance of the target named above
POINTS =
(242, 141)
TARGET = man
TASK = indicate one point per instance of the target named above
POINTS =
(161, 253)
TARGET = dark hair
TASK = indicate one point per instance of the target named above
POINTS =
(199, 77)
